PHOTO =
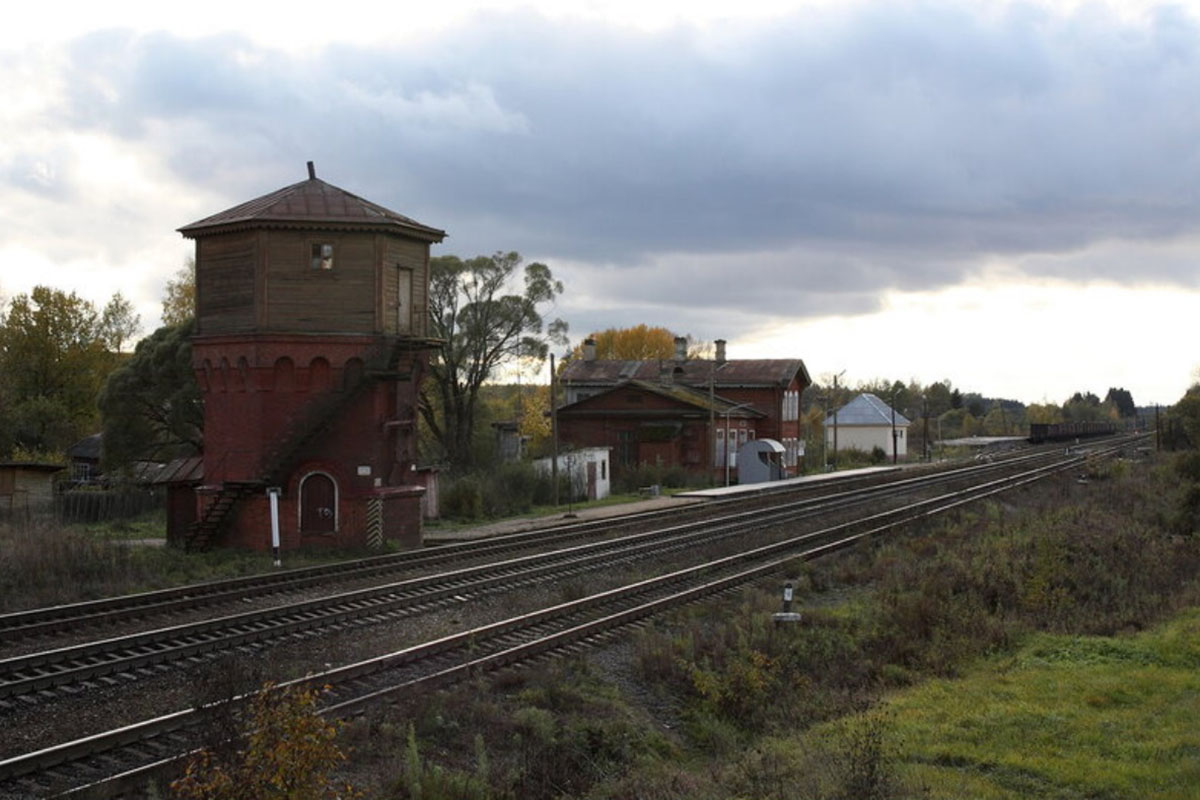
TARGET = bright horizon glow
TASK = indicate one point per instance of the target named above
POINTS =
(971, 329)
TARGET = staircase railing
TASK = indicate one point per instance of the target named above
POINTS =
(381, 362)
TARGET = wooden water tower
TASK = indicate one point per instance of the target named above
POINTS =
(311, 340)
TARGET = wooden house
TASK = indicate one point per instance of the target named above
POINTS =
(84, 459)
(689, 412)
(311, 338)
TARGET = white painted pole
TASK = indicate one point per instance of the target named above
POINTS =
(273, 493)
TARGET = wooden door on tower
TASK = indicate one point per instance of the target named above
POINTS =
(404, 309)
(318, 504)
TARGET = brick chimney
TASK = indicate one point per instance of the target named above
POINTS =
(589, 349)
(680, 348)
(720, 343)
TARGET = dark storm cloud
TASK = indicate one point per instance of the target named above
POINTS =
(804, 164)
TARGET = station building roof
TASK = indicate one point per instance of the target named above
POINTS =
(689, 372)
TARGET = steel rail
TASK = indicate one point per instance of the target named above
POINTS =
(129, 656)
(776, 556)
(50, 619)
(18, 625)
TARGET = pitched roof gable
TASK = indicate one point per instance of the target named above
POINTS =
(682, 394)
(866, 409)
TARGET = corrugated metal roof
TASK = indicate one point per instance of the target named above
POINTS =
(306, 204)
(866, 409)
(690, 372)
(181, 470)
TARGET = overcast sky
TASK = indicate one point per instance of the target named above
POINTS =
(1005, 195)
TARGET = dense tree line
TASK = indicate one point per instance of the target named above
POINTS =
(150, 405)
(64, 373)
(56, 351)
(940, 411)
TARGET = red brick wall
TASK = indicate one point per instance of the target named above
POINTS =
(599, 421)
(253, 399)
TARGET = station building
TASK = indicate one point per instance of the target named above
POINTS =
(693, 413)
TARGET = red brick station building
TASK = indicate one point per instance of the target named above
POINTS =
(684, 412)
(311, 340)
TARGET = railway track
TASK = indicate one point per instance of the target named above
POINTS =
(90, 615)
(128, 756)
(93, 615)
(34, 677)
(164, 603)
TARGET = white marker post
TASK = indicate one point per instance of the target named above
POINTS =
(273, 492)
(786, 615)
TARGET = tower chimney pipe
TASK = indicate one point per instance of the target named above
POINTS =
(720, 343)
(312, 171)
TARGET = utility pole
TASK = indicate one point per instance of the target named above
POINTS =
(835, 413)
(712, 423)
(1157, 430)
(554, 429)
(893, 427)
(925, 437)
(824, 444)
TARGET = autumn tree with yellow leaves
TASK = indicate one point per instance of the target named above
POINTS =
(287, 750)
(639, 343)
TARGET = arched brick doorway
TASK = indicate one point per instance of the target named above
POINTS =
(318, 504)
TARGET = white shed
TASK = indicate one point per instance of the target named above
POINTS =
(588, 468)
(866, 422)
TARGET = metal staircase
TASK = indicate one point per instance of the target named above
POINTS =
(382, 363)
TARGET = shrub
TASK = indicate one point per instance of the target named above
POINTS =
(865, 762)
(424, 781)
(509, 489)
(286, 750)
(629, 479)
(463, 499)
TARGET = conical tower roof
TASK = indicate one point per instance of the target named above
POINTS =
(311, 204)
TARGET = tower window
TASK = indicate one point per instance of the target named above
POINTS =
(322, 255)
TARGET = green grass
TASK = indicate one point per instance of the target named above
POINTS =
(1066, 717)
(49, 564)
(152, 525)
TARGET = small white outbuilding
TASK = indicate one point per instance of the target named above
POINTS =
(587, 468)
(866, 422)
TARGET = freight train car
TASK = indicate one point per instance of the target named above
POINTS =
(1065, 431)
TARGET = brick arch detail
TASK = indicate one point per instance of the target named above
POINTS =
(301, 498)
(320, 375)
(284, 374)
